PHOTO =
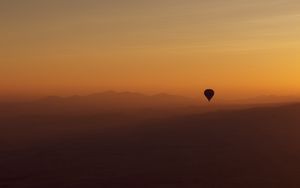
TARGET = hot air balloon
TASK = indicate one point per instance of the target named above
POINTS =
(209, 94)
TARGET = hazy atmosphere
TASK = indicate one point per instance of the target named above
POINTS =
(249, 48)
(149, 94)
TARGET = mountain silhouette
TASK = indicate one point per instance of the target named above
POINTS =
(105, 102)
(127, 100)
(121, 102)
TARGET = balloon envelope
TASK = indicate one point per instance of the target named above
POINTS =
(209, 94)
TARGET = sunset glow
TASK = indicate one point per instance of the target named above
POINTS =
(245, 47)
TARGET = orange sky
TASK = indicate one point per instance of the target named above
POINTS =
(60, 47)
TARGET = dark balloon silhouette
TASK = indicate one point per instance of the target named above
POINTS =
(209, 94)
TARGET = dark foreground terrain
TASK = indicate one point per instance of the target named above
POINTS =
(256, 147)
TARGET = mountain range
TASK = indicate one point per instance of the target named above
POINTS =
(140, 143)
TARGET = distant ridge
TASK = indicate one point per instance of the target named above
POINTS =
(259, 144)
(264, 99)
(101, 103)
(132, 102)
(130, 98)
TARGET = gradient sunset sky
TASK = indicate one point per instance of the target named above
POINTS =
(241, 48)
